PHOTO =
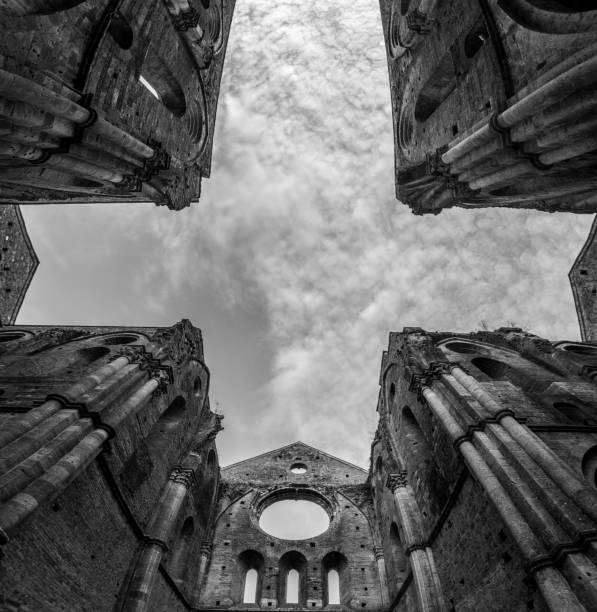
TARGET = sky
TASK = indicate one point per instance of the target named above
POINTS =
(298, 260)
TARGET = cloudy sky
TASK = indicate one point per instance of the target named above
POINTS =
(298, 261)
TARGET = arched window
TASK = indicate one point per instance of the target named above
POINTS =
(120, 31)
(437, 88)
(589, 466)
(119, 339)
(333, 587)
(11, 336)
(564, 6)
(399, 559)
(157, 77)
(575, 413)
(420, 463)
(292, 582)
(292, 586)
(250, 590)
(166, 429)
(336, 579)
(251, 572)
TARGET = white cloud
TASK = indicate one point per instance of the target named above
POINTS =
(299, 221)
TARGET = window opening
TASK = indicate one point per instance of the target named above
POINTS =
(152, 90)
(294, 519)
(292, 587)
(250, 593)
(333, 587)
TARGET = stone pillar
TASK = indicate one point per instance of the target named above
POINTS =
(429, 593)
(556, 592)
(204, 559)
(157, 537)
(383, 576)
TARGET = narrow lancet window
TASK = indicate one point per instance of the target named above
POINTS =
(333, 587)
(292, 587)
(250, 592)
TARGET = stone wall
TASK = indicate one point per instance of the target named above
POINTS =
(455, 68)
(141, 146)
(465, 416)
(142, 392)
(348, 545)
(18, 263)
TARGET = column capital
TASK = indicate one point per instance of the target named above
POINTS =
(183, 476)
(394, 481)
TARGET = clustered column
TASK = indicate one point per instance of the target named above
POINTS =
(424, 572)
(547, 509)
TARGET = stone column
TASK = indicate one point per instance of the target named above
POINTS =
(429, 593)
(157, 537)
(556, 592)
(383, 576)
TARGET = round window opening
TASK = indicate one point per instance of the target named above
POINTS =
(298, 468)
(294, 519)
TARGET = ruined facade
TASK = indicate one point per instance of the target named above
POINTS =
(18, 263)
(350, 546)
(484, 472)
(583, 280)
(108, 468)
(493, 103)
(111, 100)
(481, 492)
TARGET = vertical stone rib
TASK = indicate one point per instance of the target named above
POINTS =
(157, 538)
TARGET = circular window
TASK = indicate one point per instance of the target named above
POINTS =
(123, 339)
(294, 519)
(581, 349)
(298, 468)
(462, 347)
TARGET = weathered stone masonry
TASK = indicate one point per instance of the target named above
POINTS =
(350, 545)
(108, 468)
(484, 472)
(493, 103)
(77, 123)
(18, 263)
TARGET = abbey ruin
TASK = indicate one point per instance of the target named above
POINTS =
(481, 489)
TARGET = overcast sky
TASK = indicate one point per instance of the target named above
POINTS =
(298, 261)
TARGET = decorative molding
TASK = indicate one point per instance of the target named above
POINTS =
(183, 476)
(396, 480)
(419, 22)
(185, 20)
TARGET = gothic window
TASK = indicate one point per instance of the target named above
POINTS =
(564, 6)
(336, 579)
(11, 336)
(398, 558)
(157, 77)
(119, 339)
(333, 587)
(575, 414)
(251, 566)
(163, 434)
(589, 466)
(491, 367)
(292, 585)
(475, 39)
(250, 590)
(584, 350)
(437, 88)
(120, 31)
